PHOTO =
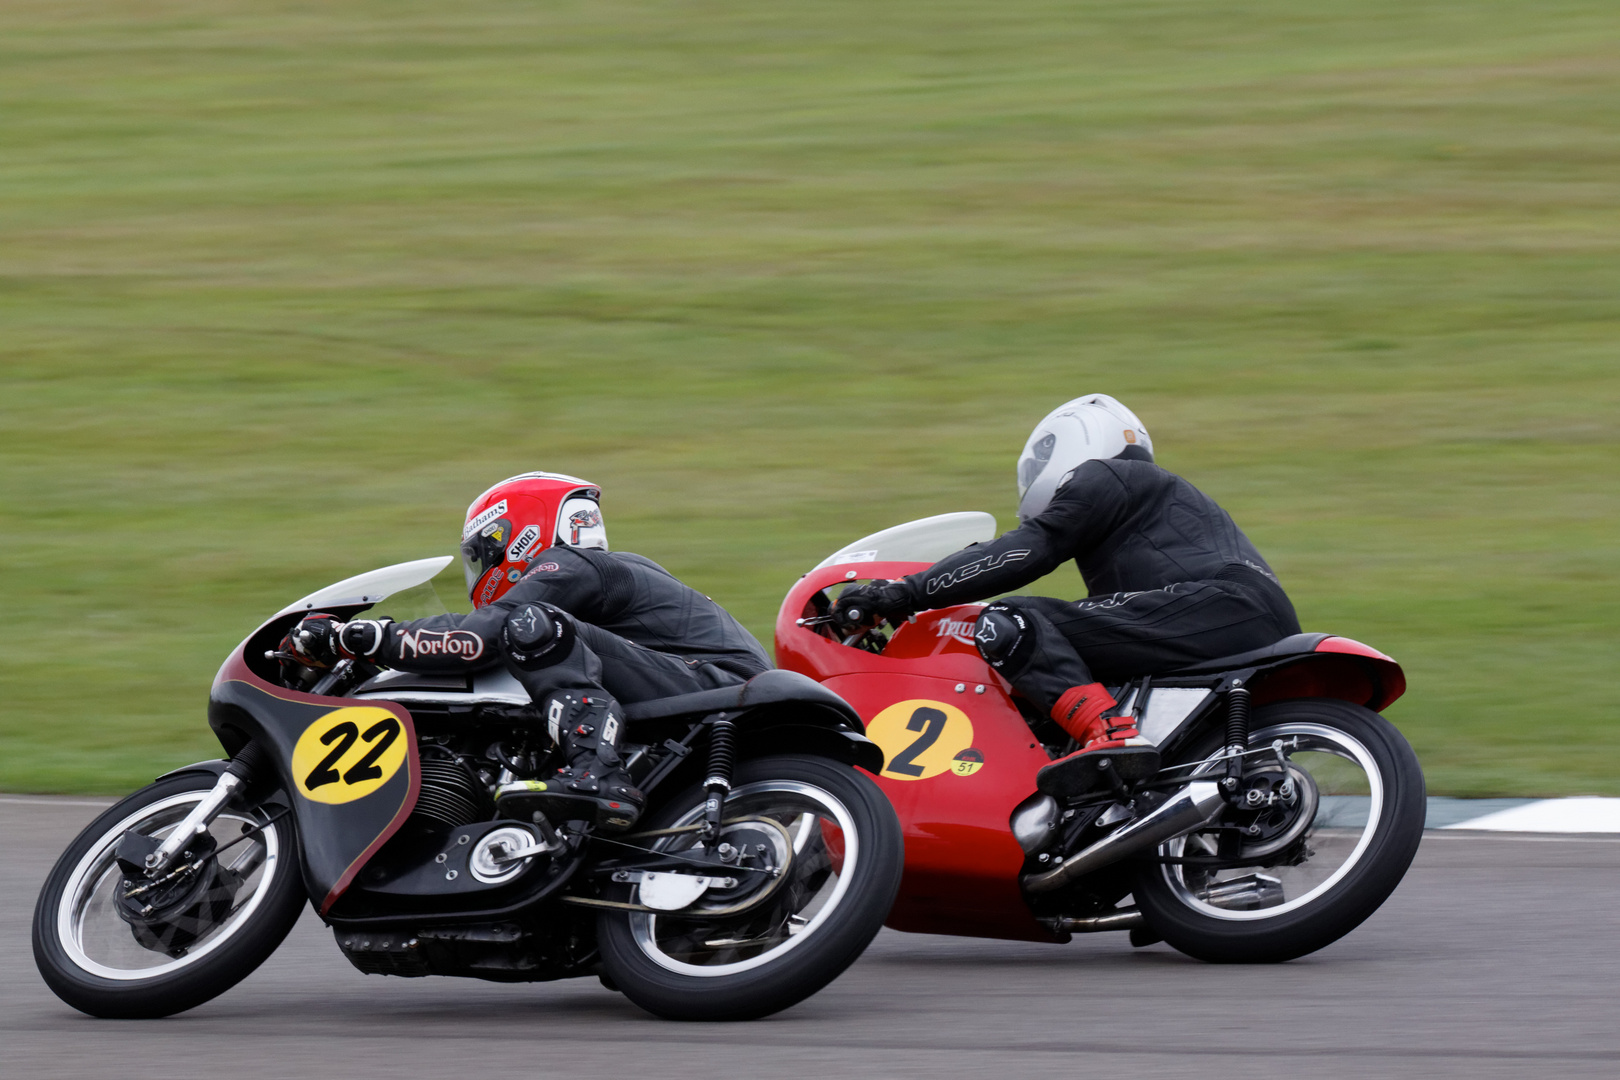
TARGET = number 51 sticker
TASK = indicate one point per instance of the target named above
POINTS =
(922, 738)
(347, 754)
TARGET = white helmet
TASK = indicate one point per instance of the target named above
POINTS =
(1093, 427)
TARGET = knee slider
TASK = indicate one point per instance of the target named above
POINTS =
(999, 634)
(537, 636)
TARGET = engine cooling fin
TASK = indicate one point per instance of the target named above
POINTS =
(450, 795)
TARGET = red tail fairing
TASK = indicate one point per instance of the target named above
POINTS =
(1338, 668)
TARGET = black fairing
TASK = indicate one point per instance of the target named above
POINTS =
(335, 839)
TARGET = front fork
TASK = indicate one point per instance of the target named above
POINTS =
(236, 776)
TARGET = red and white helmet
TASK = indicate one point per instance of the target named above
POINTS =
(512, 522)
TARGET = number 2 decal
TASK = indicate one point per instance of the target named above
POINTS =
(921, 738)
(930, 722)
(348, 753)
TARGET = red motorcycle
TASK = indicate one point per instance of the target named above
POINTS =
(1286, 811)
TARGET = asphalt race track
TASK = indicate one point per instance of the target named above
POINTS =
(1497, 957)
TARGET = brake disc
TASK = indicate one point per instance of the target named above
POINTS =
(1284, 812)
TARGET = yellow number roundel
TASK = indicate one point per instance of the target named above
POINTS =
(348, 753)
(920, 738)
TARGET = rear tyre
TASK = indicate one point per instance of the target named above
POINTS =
(840, 883)
(1310, 881)
(98, 951)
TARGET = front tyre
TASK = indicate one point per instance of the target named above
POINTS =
(170, 948)
(841, 880)
(1298, 873)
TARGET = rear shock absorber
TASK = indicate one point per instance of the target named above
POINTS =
(1237, 736)
(722, 758)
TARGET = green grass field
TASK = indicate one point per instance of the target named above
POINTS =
(283, 285)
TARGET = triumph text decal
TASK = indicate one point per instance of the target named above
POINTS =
(973, 570)
(348, 754)
(960, 629)
(441, 644)
(922, 738)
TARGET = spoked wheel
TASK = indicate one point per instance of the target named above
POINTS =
(818, 868)
(121, 946)
(1336, 820)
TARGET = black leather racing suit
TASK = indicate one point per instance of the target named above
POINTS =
(1172, 580)
(626, 626)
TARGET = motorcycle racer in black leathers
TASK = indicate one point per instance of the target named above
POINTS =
(1172, 580)
(580, 627)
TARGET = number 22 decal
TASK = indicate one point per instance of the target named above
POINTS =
(347, 754)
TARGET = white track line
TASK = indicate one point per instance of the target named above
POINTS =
(47, 800)
(1579, 814)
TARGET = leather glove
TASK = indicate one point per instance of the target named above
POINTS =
(320, 641)
(872, 600)
(362, 638)
(314, 640)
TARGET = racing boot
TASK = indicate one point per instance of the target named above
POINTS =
(1082, 711)
(593, 784)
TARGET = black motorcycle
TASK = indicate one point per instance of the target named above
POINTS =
(394, 804)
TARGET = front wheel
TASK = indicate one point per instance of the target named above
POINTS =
(841, 876)
(120, 948)
(1338, 818)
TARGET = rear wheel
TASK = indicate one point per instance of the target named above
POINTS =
(121, 947)
(840, 844)
(1337, 822)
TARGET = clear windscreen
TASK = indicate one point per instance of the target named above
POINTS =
(440, 595)
(432, 585)
(926, 540)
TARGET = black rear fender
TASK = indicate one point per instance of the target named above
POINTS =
(806, 728)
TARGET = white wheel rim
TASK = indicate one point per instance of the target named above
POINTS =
(644, 926)
(74, 908)
(1353, 750)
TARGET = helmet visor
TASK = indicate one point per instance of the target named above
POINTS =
(481, 553)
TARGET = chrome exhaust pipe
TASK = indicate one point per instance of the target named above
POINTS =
(1184, 811)
(1127, 919)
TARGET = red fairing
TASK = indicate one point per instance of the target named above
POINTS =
(950, 652)
(959, 757)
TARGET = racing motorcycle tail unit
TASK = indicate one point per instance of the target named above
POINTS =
(406, 809)
(1283, 811)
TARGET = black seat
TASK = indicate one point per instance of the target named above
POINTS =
(1293, 645)
(772, 687)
